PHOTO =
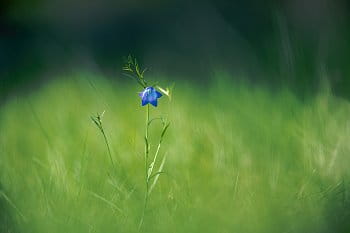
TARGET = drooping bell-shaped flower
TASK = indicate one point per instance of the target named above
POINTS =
(150, 95)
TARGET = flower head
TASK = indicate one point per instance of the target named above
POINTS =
(150, 95)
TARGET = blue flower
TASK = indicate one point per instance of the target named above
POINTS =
(150, 95)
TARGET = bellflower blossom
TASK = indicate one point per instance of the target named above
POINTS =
(150, 95)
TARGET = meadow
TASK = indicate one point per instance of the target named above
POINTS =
(240, 158)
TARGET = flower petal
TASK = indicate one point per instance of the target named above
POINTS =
(144, 101)
(158, 94)
(154, 102)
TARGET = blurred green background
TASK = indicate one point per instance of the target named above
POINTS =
(260, 127)
(288, 42)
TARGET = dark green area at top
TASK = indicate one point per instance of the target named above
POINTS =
(290, 43)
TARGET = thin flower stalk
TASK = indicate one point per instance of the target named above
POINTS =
(149, 96)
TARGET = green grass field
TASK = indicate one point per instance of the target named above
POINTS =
(240, 158)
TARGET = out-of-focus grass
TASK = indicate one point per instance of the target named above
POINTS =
(240, 159)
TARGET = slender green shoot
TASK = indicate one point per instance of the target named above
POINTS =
(98, 122)
(134, 71)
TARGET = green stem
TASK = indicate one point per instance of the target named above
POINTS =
(146, 168)
(108, 148)
(146, 142)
